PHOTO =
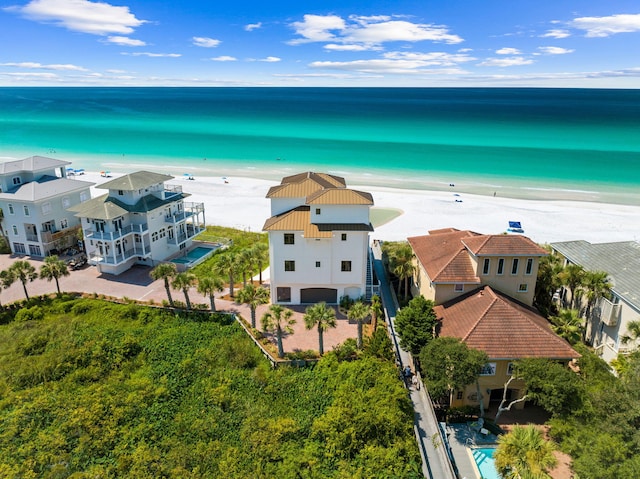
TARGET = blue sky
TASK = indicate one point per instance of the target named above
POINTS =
(546, 43)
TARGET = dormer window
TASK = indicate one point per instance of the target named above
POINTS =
(318, 211)
(120, 192)
(16, 180)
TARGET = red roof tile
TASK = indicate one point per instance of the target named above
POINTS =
(490, 321)
(503, 245)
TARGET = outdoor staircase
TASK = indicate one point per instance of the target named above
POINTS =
(369, 290)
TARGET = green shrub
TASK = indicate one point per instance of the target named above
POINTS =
(34, 313)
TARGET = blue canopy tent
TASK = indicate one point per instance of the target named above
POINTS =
(515, 227)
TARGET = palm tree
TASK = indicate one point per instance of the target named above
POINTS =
(547, 283)
(246, 264)
(401, 264)
(278, 319)
(524, 453)
(54, 268)
(24, 272)
(568, 325)
(254, 297)
(572, 276)
(633, 332)
(208, 287)
(359, 312)
(321, 316)
(6, 279)
(596, 285)
(261, 256)
(184, 281)
(165, 271)
(227, 265)
(376, 311)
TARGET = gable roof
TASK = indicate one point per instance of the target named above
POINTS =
(106, 207)
(325, 179)
(502, 327)
(444, 257)
(33, 163)
(135, 181)
(299, 219)
(621, 260)
(45, 187)
(444, 253)
(340, 196)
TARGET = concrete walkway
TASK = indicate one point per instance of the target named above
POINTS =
(435, 462)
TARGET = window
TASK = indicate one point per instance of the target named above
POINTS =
(345, 266)
(138, 239)
(486, 266)
(154, 236)
(162, 233)
(459, 395)
(317, 211)
(66, 203)
(34, 250)
(514, 266)
(120, 193)
(18, 248)
(488, 369)
(510, 369)
(284, 294)
(15, 230)
(317, 264)
(289, 265)
(529, 268)
(458, 288)
(46, 208)
(10, 208)
(26, 210)
(64, 224)
(17, 180)
(289, 238)
(170, 230)
(500, 266)
(344, 236)
(522, 288)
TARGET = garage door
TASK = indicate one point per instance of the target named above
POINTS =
(316, 295)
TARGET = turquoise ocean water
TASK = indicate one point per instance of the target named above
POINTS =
(544, 143)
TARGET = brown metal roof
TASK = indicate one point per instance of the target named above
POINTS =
(328, 181)
(340, 196)
(299, 219)
(492, 322)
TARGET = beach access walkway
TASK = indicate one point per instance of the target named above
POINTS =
(435, 461)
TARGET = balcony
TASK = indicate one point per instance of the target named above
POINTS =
(117, 258)
(190, 209)
(181, 237)
(171, 191)
(32, 237)
(114, 235)
(52, 236)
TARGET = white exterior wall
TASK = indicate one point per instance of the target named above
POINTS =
(340, 214)
(281, 205)
(607, 340)
(330, 252)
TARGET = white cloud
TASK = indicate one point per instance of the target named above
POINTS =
(367, 31)
(398, 67)
(118, 40)
(97, 18)
(253, 26)
(606, 26)
(40, 66)
(505, 62)
(153, 55)
(350, 48)
(270, 60)
(431, 58)
(508, 51)
(205, 42)
(31, 75)
(555, 50)
(556, 33)
(224, 58)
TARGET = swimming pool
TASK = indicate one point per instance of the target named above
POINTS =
(483, 456)
(196, 256)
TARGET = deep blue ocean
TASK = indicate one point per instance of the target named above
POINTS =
(536, 139)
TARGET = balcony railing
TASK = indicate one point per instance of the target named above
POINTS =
(190, 209)
(190, 232)
(31, 237)
(171, 191)
(51, 236)
(116, 258)
(114, 235)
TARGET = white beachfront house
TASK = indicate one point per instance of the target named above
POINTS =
(139, 221)
(608, 321)
(318, 240)
(34, 196)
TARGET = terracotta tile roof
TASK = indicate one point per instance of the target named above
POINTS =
(503, 245)
(444, 257)
(442, 230)
(339, 196)
(490, 321)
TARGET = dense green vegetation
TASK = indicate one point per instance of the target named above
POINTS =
(94, 389)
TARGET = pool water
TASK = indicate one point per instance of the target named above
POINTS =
(195, 256)
(484, 460)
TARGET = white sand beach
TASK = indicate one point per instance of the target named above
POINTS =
(240, 203)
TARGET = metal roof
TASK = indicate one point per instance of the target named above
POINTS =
(33, 163)
(135, 181)
(621, 260)
(45, 187)
(106, 208)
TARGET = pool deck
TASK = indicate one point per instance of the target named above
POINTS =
(461, 437)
